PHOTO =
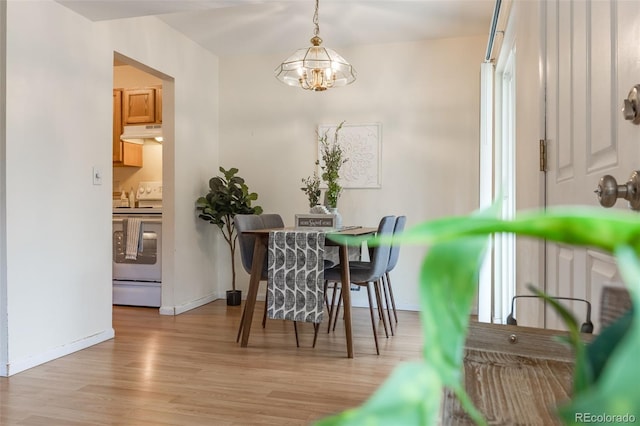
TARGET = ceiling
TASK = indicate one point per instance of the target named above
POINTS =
(244, 27)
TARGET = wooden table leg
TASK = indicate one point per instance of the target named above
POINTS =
(259, 250)
(346, 297)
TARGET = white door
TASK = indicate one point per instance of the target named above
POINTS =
(593, 59)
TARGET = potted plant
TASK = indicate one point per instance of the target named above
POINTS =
(606, 373)
(312, 189)
(228, 196)
(332, 161)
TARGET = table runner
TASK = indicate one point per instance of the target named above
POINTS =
(296, 275)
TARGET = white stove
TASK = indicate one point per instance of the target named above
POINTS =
(137, 280)
(149, 194)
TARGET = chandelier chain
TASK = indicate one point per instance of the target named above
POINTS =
(316, 31)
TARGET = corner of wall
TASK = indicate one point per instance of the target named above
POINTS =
(57, 352)
(3, 217)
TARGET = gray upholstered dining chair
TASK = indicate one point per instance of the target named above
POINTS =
(248, 222)
(367, 274)
(394, 254)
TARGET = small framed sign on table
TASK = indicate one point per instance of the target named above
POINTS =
(315, 221)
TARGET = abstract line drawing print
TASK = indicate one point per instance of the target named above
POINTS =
(361, 145)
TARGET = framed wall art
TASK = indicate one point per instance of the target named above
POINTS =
(362, 145)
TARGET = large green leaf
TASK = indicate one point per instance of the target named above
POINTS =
(410, 396)
(615, 394)
(583, 226)
(448, 280)
(604, 387)
(606, 342)
(583, 372)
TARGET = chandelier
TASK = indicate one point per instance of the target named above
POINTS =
(315, 68)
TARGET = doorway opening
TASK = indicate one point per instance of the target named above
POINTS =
(142, 135)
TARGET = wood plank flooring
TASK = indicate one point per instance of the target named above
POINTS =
(189, 370)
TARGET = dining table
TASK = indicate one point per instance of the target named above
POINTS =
(259, 252)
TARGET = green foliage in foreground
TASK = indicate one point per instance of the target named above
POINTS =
(606, 374)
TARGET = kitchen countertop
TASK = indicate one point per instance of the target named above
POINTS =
(137, 210)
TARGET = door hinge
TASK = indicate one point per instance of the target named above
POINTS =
(543, 155)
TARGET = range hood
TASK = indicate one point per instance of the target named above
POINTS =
(142, 133)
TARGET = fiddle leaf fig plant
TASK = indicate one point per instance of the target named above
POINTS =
(606, 372)
(228, 196)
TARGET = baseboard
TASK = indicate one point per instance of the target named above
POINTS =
(399, 306)
(33, 361)
(177, 310)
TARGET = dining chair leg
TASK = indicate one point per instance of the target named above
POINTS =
(335, 316)
(385, 295)
(332, 306)
(264, 314)
(326, 299)
(393, 302)
(295, 329)
(316, 327)
(380, 304)
(373, 321)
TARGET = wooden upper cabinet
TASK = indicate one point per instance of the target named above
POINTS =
(139, 106)
(117, 125)
(159, 105)
(124, 154)
(131, 154)
(133, 107)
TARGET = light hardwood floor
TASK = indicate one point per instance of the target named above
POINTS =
(189, 370)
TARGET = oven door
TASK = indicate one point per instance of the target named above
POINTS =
(148, 264)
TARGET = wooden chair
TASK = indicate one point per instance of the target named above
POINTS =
(614, 302)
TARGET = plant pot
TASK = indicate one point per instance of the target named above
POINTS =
(334, 211)
(234, 297)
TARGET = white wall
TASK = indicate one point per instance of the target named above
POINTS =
(425, 94)
(3, 203)
(58, 239)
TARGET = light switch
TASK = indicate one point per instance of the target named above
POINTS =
(97, 176)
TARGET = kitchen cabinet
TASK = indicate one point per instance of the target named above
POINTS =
(117, 125)
(124, 154)
(139, 106)
(142, 105)
(159, 105)
(131, 154)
